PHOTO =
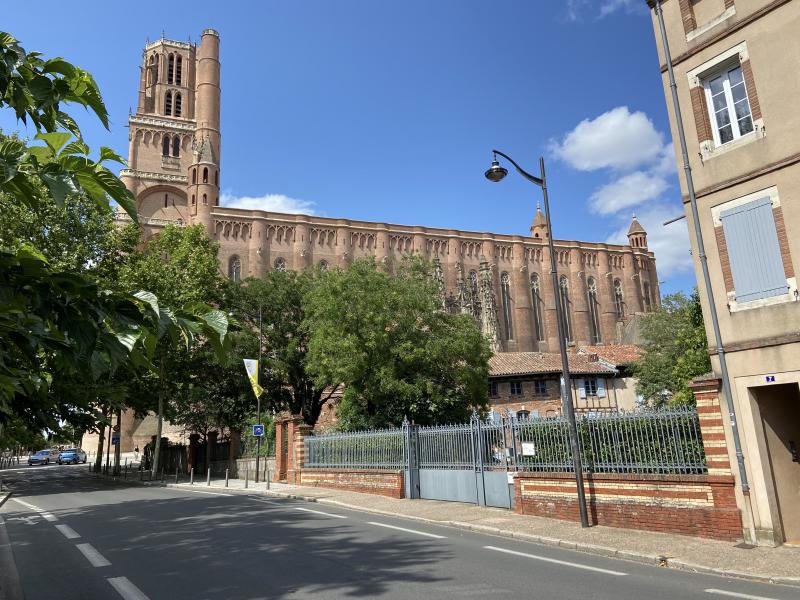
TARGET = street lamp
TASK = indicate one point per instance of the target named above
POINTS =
(496, 173)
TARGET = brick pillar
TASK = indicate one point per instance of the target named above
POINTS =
(280, 456)
(192, 462)
(706, 393)
(298, 452)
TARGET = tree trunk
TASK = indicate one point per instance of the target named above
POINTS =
(98, 459)
(118, 447)
(157, 448)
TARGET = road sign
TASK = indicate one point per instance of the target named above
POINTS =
(115, 439)
(258, 430)
(116, 427)
(770, 378)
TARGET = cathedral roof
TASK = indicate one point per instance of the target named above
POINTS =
(539, 220)
(635, 227)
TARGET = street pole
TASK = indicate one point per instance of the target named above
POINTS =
(497, 173)
(258, 381)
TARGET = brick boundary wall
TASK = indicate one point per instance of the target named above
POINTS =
(696, 505)
(381, 483)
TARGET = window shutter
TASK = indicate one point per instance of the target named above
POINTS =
(582, 388)
(753, 251)
(601, 388)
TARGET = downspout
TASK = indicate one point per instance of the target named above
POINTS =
(712, 308)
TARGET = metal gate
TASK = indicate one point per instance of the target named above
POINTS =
(462, 463)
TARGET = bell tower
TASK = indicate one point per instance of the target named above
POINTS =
(637, 236)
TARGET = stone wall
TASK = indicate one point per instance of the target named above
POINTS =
(381, 483)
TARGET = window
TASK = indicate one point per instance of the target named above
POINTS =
(178, 69)
(323, 265)
(165, 146)
(205, 174)
(205, 200)
(754, 252)
(176, 146)
(168, 104)
(516, 388)
(193, 200)
(536, 297)
(166, 200)
(493, 389)
(170, 68)
(594, 320)
(234, 268)
(280, 264)
(216, 178)
(590, 387)
(540, 387)
(194, 176)
(177, 105)
(646, 294)
(504, 288)
(619, 306)
(565, 305)
(728, 104)
(523, 414)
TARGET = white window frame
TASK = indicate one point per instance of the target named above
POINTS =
(723, 72)
(590, 387)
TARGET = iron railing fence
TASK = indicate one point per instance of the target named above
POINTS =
(376, 449)
(644, 441)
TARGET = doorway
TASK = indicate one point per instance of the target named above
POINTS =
(779, 406)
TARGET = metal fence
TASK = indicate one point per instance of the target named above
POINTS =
(653, 441)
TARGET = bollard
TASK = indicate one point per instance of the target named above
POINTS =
(208, 477)
(162, 475)
(246, 477)
(176, 474)
(125, 474)
(226, 477)
(266, 478)
(191, 476)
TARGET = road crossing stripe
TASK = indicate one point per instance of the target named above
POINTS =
(736, 594)
(556, 561)
(319, 512)
(92, 555)
(425, 533)
(68, 532)
(49, 516)
(126, 589)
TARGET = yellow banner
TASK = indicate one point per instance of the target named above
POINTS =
(251, 366)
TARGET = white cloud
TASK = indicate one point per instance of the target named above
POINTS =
(269, 202)
(670, 244)
(666, 164)
(608, 7)
(578, 9)
(627, 191)
(617, 139)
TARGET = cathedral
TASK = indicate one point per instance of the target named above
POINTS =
(502, 280)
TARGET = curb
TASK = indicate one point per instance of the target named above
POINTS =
(3, 497)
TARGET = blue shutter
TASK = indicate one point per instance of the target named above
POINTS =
(753, 250)
(601, 388)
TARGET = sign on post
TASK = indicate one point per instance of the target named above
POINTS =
(528, 449)
(115, 439)
(258, 430)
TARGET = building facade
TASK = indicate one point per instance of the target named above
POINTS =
(503, 280)
(735, 63)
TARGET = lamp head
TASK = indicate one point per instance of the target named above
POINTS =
(495, 172)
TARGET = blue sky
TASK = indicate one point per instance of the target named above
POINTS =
(388, 111)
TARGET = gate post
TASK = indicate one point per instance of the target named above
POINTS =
(477, 457)
(410, 459)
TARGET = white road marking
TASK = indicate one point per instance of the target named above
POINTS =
(197, 491)
(126, 589)
(92, 555)
(319, 512)
(49, 516)
(68, 532)
(27, 504)
(736, 594)
(558, 562)
(425, 533)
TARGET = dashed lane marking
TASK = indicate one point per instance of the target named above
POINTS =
(736, 594)
(68, 532)
(415, 531)
(49, 516)
(319, 512)
(126, 589)
(92, 555)
(556, 561)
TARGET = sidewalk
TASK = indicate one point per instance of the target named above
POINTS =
(776, 565)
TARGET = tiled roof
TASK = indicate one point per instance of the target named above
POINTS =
(539, 363)
(619, 354)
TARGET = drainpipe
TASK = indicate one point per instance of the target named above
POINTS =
(712, 308)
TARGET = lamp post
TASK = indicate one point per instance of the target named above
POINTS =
(497, 173)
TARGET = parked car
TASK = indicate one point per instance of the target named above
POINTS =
(71, 456)
(43, 457)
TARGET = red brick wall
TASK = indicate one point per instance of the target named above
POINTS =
(381, 483)
(697, 505)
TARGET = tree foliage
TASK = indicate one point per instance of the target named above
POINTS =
(675, 350)
(385, 337)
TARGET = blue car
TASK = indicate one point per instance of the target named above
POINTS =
(71, 456)
(43, 457)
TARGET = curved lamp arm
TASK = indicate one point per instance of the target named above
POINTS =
(537, 180)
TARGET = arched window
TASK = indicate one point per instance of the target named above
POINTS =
(165, 146)
(176, 146)
(563, 284)
(536, 298)
(619, 305)
(166, 200)
(648, 303)
(194, 176)
(323, 265)
(280, 264)
(234, 268)
(193, 200)
(594, 319)
(177, 105)
(205, 200)
(178, 69)
(506, 293)
(216, 178)
(205, 174)
(170, 67)
(168, 104)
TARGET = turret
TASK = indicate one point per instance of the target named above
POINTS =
(539, 227)
(637, 236)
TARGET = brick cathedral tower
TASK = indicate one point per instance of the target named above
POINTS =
(174, 136)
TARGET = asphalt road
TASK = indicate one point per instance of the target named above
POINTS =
(77, 537)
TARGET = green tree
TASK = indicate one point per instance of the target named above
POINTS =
(675, 351)
(385, 337)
